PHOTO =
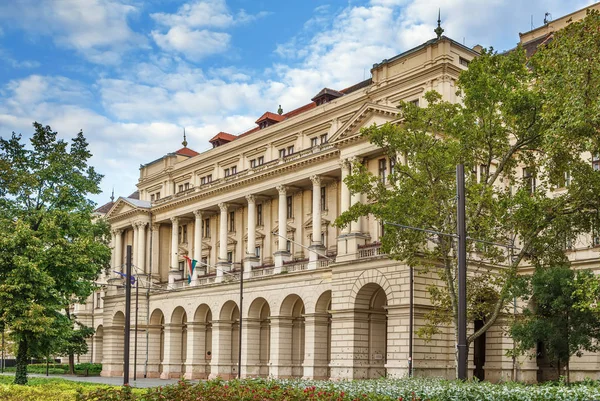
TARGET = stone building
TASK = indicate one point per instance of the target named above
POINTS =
(319, 301)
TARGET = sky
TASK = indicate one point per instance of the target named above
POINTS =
(133, 73)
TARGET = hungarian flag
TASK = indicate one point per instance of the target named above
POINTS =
(191, 266)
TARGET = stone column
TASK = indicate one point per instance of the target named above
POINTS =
(345, 192)
(346, 342)
(195, 363)
(141, 248)
(174, 273)
(118, 252)
(200, 268)
(317, 349)
(222, 263)
(251, 259)
(221, 363)
(352, 236)
(250, 349)
(155, 343)
(316, 247)
(282, 255)
(281, 347)
(134, 246)
(154, 268)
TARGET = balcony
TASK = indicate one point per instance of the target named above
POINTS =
(370, 250)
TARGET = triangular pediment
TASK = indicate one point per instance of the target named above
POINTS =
(258, 234)
(367, 115)
(124, 205)
(230, 241)
(309, 223)
(289, 228)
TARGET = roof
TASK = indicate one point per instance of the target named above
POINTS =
(327, 91)
(135, 195)
(532, 46)
(224, 136)
(187, 152)
(271, 116)
(105, 208)
(137, 202)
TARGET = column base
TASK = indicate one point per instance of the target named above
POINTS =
(249, 263)
(175, 275)
(348, 246)
(113, 282)
(280, 257)
(315, 252)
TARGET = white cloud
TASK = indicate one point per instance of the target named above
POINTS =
(97, 29)
(195, 44)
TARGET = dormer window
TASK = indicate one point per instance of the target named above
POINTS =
(269, 119)
(326, 95)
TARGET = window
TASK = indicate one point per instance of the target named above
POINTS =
(259, 215)
(567, 180)
(382, 170)
(463, 61)
(290, 150)
(257, 251)
(596, 163)
(323, 239)
(392, 164)
(595, 234)
(152, 198)
(233, 170)
(181, 188)
(314, 142)
(206, 228)
(98, 299)
(323, 139)
(529, 180)
(227, 172)
(181, 265)
(186, 186)
(415, 102)
(288, 246)
(323, 198)
(482, 173)
(157, 197)
(290, 207)
(204, 263)
(252, 163)
(182, 236)
(231, 222)
(230, 257)
(202, 180)
(281, 153)
(261, 160)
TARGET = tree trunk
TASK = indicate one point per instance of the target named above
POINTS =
(21, 372)
(71, 363)
(568, 373)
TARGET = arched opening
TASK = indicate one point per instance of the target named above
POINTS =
(201, 343)
(321, 334)
(257, 345)
(176, 341)
(98, 344)
(292, 311)
(371, 330)
(156, 344)
(226, 349)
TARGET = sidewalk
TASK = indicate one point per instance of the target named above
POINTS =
(114, 381)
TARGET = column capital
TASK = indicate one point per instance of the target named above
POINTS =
(223, 206)
(117, 231)
(344, 164)
(142, 224)
(198, 213)
(155, 226)
(316, 180)
(174, 220)
(251, 198)
(282, 189)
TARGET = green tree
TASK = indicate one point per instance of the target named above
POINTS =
(53, 250)
(506, 134)
(555, 318)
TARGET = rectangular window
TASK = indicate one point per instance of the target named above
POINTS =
(231, 222)
(382, 170)
(290, 207)
(392, 164)
(463, 61)
(252, 163)
(288, 246)
(186, 186)
(206, 228)
(257, 251)
(323, 198)
(227, 173)
(209, 178)
(281, 153)
(482, 173)
(181, 188)
(202, 180)
(233, 170)
(152, 198)
(314, 142)
(261, 160)
(259, 215)
(204, 263)
(596, 163)
(181, 265)
(230, 257)
(290, 150)
(182, 234)
(529, 180)
(323, 139)
(157, 195)
(567, 180)
(415, 102)
(98, 299)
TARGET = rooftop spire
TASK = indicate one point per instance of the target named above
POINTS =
(184, 143)
(438, 31)
(112, 196)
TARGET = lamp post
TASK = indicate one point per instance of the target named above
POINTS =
(127, 333)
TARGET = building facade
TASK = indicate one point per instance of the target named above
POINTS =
(319, 301)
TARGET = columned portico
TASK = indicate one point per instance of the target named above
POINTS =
(251, 258)
(118, 251)
(223, 264)
(352, 235)
(141, 248)
(200, 268)
(316, 246)
(282, 254)
(174, 273)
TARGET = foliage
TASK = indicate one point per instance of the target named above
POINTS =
(505, 129)
(61, 368)
(52, 249)
(555, 320)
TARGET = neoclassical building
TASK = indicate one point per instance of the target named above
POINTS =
(319, 301)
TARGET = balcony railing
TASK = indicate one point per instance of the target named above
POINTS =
(370, 250)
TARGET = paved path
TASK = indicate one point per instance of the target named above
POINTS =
(115, 381)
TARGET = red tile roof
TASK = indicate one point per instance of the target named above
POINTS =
(187, 152)
(223, 136)
(270, 116)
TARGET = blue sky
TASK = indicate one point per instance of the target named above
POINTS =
(132, 73)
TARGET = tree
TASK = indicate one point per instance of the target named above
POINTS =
(52, 248)
(506, 134)
(556, 319)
